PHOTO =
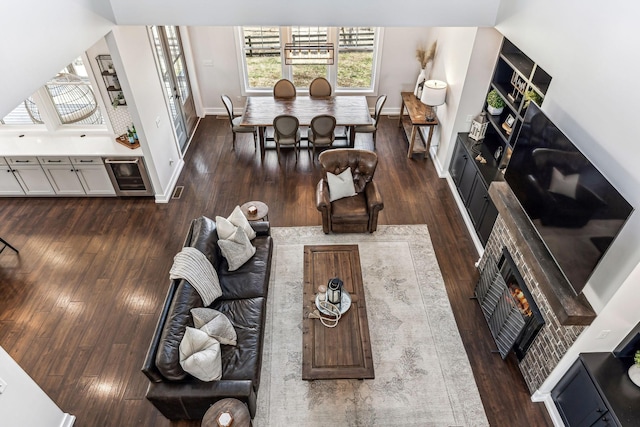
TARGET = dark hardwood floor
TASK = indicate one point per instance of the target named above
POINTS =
(79, 303)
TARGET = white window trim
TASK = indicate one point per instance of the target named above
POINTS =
(331, 75)
(52, 123)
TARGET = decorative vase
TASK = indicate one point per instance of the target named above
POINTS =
(634, 374)
(422, 77)
(494, 111)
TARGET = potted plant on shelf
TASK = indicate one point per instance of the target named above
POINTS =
(495, 103)
(532, 95)
(634, 370)
(118, 100)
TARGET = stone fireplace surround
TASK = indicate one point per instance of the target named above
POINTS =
(566, 315)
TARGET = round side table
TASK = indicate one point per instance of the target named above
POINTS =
(237, 409)
(262, 210)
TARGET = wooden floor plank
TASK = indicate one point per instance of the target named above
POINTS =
(81, 300)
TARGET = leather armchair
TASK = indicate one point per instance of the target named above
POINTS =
(355, 214)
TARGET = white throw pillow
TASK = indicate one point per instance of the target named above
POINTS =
(564, 184)
(200, 355)
(340, 185)
(224, 228)
(238, 219)
(237, 249)
(215, 324)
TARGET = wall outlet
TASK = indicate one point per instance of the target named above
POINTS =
(157, 122)
(207, 62)
(603, 334)
(3, 385)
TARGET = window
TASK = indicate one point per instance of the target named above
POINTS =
(69, 95)
(72, 96)
(353, 69)
(263, 64)
(26, 113)
(355, 57)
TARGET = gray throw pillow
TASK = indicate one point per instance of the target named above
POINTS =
(200, 355)
(237, 249)
(215, 324)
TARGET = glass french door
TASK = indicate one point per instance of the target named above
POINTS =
(176, 81)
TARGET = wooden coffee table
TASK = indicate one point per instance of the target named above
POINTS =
(343, 351)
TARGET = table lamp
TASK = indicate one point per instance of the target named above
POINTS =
(434, 93)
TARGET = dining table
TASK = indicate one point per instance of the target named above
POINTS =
(349, 111)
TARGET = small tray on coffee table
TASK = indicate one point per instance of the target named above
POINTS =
(345, 303)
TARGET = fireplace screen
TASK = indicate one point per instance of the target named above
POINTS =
(511, 313)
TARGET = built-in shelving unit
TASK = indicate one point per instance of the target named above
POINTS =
(518, 80)
(111, 82)
(475, 164)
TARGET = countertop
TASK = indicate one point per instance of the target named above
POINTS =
(59, 145)
(488, 171)
(609, 374)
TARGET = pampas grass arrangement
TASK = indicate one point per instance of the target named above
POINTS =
(425, 56)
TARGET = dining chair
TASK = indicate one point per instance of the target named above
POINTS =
(234, 122)
(320, 87)
(321, 132)
(372, 128)
(284, 89)
(286, 131)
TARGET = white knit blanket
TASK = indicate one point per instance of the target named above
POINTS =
(193, 266)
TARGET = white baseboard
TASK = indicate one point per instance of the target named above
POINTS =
(67, 420)
(550, 405)
(166, 196)
(465, 215)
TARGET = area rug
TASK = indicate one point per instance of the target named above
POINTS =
(422, 374)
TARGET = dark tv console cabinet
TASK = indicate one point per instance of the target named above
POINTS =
(596, 391)
(472, 180)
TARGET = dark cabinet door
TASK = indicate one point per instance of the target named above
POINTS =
(487, 221)
(458, 164)
(578, 400)
(478, 201)
(467, 181)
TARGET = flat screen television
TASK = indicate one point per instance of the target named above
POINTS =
(573, 207)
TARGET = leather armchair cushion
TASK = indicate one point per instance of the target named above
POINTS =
(350, 209)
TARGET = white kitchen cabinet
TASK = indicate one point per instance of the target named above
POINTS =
(64, 179)
(9, 185)
(93, 175)
(33, 180)
(95, 180)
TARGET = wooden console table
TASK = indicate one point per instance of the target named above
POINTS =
(417, 113)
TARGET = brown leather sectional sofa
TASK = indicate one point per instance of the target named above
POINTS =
(180, 396)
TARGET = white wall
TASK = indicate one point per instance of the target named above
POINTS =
(131, 51)
(23, 403)
(39, 39)
(469, 89)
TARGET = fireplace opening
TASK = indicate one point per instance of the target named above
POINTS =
(512, 314)
(524, 301)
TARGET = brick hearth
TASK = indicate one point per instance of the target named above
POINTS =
(565, 314)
